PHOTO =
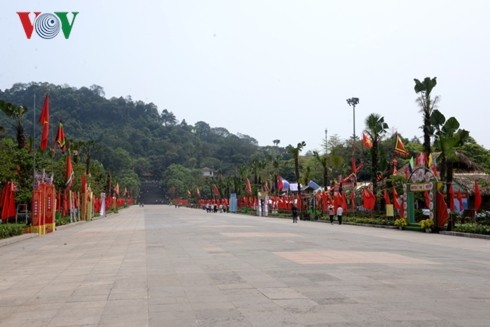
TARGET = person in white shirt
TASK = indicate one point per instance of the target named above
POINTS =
(340, 211)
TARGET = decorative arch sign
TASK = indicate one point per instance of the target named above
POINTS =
(422, 179)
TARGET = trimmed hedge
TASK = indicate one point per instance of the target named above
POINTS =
(9, 230)
(472, 228)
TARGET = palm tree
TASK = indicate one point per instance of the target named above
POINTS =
(376, 127)
(17, 113)
(448, 138)
(427, 105)
(294, 151)
(323, 160)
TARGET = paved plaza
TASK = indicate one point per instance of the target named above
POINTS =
(167, 266)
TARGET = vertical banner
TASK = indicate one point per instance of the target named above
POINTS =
(39, 209)
(36, 211)
(50, 220)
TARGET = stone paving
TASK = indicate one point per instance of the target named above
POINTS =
(167, 266)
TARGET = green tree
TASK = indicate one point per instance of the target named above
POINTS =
(295, 151)
(17, 113)
(323, 160)
(427, 105)
(376, 127)
(448, 138)
(477, 153)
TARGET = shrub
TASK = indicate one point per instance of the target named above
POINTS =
(472, 228)
(400, 222)
(369, 221)
(9, 230)
(426, 224)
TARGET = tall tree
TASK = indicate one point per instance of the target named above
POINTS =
(376, 127)
(323, 160)
(17, 113)
(448, 138)
(427, 105)
(294, 151)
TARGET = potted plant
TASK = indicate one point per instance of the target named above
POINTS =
(426, 225)
(400, 222)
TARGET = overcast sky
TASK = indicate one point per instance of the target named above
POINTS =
(268, 69)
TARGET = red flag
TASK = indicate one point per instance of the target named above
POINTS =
(366, 141)
(8, 201)
(387, 197)
(44, 121)
(215, 190)
(248, 187)
(451, 197)
(477, 197)
(369, 200)
(442, 214)
(427, 199)
(399, 147)
(60, 137)
(280, 184)
(69, 175)
(396, 201)
(460, 200)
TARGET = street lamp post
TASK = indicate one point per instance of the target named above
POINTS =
(352, 103)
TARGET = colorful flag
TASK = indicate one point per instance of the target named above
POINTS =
(400, 147)
(198, 193)
(44, 121)
(460, 200)
(451, 197)
(189, 194)
(69, 175)
(248, 187)
(366, 141)
(117, 189)
(411, 165)
(477, 197)
(280, 184)
(60, 137)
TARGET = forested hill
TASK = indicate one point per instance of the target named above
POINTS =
(129, 134)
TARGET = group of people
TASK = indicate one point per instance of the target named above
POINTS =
(331, 213)
(215, 208)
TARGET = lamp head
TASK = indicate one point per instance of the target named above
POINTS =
(353, 101)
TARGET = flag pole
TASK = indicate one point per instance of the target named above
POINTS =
(34, 142)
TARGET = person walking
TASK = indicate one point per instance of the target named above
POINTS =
(331, 213)
(294, 212)
(340, 211)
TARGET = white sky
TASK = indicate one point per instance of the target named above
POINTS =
(268, 69)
